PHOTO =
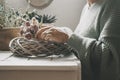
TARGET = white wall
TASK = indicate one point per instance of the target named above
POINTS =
(66, 11)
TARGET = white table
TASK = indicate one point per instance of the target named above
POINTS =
(15, 68)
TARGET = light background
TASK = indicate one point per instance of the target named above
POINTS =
(67, 11)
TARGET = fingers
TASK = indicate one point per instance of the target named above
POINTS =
(52, 34)
(40, 31)
(55, 35)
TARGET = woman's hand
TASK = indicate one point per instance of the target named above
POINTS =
(55, 34)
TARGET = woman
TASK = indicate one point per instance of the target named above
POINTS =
(96, 38)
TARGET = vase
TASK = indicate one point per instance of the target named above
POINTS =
(6, 35)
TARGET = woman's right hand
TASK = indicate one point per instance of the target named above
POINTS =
(52, 34)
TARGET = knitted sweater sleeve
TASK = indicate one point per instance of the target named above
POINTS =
(100, 57)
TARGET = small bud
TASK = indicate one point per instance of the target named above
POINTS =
(28, 35)
(27, 23)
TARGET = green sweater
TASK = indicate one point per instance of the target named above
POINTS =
(97, 39)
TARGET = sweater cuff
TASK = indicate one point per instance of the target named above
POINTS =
(67, 30)
(81, 44)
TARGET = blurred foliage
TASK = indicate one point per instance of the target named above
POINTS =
(10, 17)
(2, 13)
(16, 17)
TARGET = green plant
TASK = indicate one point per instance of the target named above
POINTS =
(9, 17)
(2, 16)
(16, 17)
